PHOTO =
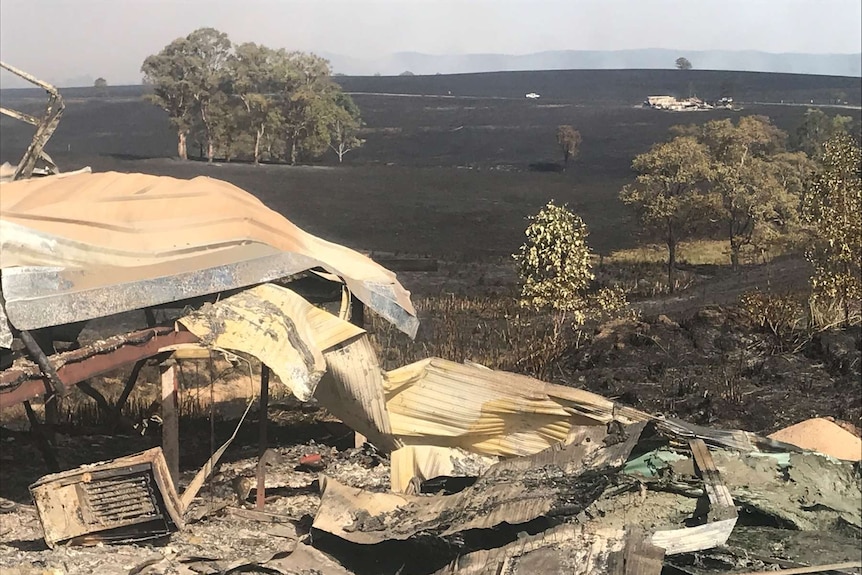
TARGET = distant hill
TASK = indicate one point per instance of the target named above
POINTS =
(653, 58)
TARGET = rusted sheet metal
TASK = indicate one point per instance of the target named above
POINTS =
(126, 499)
(25, 381)
(142, 239)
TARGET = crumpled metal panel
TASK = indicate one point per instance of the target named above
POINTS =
(89, 245)
(499, 496)
(489, 412)
(278, 327)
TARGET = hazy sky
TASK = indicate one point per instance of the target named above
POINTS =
(64, 39)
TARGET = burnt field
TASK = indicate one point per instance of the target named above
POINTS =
(453, 176)
(452, 164)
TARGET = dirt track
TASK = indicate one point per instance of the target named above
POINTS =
(783, 275)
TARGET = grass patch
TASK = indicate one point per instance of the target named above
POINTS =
(703, 253)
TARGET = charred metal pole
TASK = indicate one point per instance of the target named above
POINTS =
(264, 419)
(54, 386)
(127, 389)
(41, 441)
(38, 355)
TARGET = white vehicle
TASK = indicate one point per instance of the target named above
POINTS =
(532, 96)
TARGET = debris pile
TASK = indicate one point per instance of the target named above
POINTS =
(672, 103)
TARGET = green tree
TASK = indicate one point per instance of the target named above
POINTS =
(816, 129)
(251, 100)
(756, 199)
(682, 63)
(308, 105)
(344, 126)
(832, 205)
(569, 141)
(259, 77)
(554, 263)
(669, 194)
(210, 50)
(169, 73)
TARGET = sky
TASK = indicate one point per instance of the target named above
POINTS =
(67, 40)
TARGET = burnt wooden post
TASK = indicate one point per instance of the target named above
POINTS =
(170, 418)
(263, 417)
(357, 317)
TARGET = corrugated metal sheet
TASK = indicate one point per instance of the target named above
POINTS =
(490, 412)
(352, 390)
(99, 234)
(277, 326)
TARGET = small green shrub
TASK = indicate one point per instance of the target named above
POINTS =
(780, 314)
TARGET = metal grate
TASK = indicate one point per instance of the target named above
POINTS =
(120, 501)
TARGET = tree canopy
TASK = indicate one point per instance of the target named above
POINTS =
(554, 262)
(816, 129)
(251, 101)
(670, 193)
(832, 205)
(755, 181)
(682, 63)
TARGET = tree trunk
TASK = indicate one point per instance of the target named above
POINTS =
(671, 256)
(844, 294)
(257, 136)
(565, 161)
(210, 150)
(341, 151)
(293, 152)
(734, 255)
(182, 150)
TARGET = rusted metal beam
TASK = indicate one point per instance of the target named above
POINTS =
(27, 381)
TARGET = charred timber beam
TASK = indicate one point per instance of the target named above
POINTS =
(27, 381)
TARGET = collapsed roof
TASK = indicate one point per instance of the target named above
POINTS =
(85, 245)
